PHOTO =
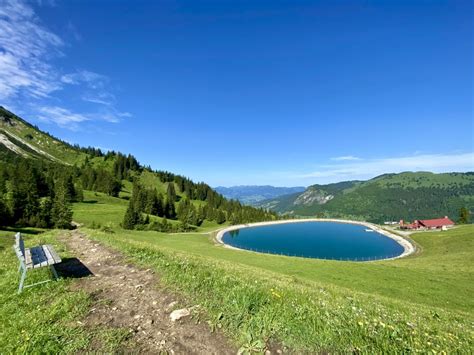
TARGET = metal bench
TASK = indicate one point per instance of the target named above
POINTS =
(34, 258)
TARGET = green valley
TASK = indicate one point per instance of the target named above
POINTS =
(390, 197)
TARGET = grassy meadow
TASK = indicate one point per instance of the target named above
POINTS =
(46, 318)
(419, 303)
(422, 303)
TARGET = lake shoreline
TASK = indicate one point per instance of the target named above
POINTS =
(408, 247)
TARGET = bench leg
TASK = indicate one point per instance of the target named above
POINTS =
(22, 281)
(53, 270)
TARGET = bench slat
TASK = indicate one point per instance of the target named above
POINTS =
(39, 257)
(48, 252)
(28, 260)
(53, 254)
(48, 255)
(19, 254)
(36, 257)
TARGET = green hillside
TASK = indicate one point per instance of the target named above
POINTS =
(40, 176)
(27, 140)
(389, 197)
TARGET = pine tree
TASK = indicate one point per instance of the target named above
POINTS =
(70, 190)
(171, 192)
(61, 212)
(220, 218)
(464, 215)
(169, 210)
(3, 214)
(45, 214)
(79, 192)
(183, 210)
(132, 217)
(201, 216)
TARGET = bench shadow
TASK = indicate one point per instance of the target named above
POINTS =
(72, 268)
(24, 230)
(90, 201)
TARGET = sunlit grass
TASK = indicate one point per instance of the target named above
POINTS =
(320, 305)
(45, 318)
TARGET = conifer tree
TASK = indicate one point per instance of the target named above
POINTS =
(45, 214)
(61, 212)
(132, 217)
(3, 214)
(79, 192)
(70, 190)
(464, 215)
(220, 218)
(183, 209)
(170, 211)
(171, 192)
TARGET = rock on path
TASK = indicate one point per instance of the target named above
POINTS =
(128, 297)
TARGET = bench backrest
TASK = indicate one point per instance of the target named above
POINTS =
(19, 247)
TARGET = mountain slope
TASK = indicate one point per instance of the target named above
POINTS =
(253, 194)
(22, 138)
(36, 168)
(410, 195)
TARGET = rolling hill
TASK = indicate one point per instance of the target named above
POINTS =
(389, 197)
(36, 164)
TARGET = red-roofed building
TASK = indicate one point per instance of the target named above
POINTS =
(438, 223)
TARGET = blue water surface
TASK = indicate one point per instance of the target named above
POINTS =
(323, 240)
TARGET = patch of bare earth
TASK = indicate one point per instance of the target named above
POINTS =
(131, 298)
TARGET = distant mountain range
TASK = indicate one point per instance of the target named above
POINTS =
(389, 197)
(252, 195)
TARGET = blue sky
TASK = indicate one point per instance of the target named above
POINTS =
(249, 92)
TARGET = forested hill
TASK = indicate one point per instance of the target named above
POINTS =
(389, 197)
(40, 176)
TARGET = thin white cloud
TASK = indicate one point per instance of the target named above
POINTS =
(345, 158)
(372, 167)
(24, 43)
(27, 48)
(91, 79)
(61, 116)
(70, 120)
(102, 98)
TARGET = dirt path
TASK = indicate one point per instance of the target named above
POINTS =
(129, 297)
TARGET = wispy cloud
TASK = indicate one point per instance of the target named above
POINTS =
(102, 98)
(61, 116)
(91, 79)
(372, 167)
(27, 75)
(345, 158)
(24, 45)
(71, 120)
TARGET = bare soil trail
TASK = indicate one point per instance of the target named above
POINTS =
(129, 297)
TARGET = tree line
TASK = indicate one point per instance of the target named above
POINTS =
(39, 193)
(36, 194)
(190, 213)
